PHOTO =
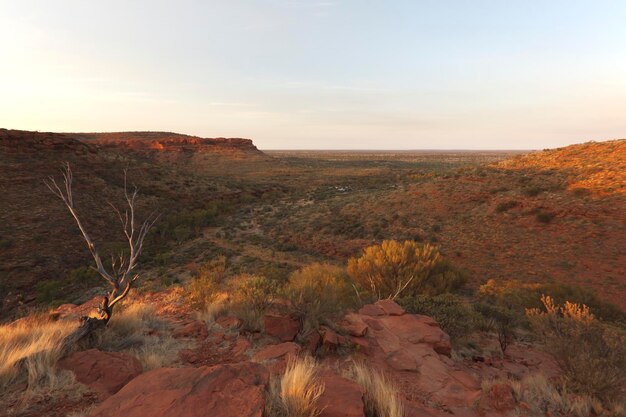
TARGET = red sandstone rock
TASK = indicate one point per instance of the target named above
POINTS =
(241, 346)
(283, 327)
(228, 322)
(354, 325)
(341, 397)
(280, 351)
(218, 391)
(104, 372)
(313, 342)
(371, 310)
(390, 307)
(195, 329)
(330, 339)
(499, 398)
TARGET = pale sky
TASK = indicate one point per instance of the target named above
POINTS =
(289, 74)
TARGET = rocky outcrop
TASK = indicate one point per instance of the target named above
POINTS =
(218, 391)
(104, 372)
(413, 350)
(284, 328)
(341, 397)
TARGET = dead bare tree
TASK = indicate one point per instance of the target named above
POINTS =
(121, 275)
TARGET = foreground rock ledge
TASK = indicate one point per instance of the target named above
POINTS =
(217, 391)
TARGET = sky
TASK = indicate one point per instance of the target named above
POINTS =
(334, 74)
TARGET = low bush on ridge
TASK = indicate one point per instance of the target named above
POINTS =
(393, 269)
(319, 292)
(592, 354)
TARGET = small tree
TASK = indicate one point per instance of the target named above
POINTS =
(393, 268)
(121, 275)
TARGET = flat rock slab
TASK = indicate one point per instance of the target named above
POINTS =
(217, 391)
(104, 372)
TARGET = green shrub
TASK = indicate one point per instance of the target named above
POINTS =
(319, 292)
(454, 315)
(393, 268)
(67, 289)
(500, 320)
(518, 296)
(505, 206)
(591, 354)
(545, 216)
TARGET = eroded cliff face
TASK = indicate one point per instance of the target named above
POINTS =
(25, 141)
(172, 143)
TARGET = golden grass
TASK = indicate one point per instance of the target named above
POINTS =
(381, 397)
(214, 309)
(30, 349)
(296, 391)
(136, 328)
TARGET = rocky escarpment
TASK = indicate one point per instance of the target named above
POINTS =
(168, 142)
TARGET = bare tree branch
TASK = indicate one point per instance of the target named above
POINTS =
(120, 277)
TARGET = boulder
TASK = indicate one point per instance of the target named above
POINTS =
(283, 327)
(390, 307)
(354, 325)
(280, 351)
(371, 310)
(228, 322)
(217, 391)
(341, 397)
(196, 329)
(330, 339)
(104, 372)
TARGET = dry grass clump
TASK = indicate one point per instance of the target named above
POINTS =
(205, 286)
(136, 328)
(381, 397)
(592, 354)
(545, 398)
(296, 391)
(30, 349)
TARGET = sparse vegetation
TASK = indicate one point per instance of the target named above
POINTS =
(591, 354)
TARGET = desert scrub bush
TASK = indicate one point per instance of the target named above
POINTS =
(252, 296)
(56, 292)
(545, 216)
(506, 206)
(404, 268)
(499, 319)
(381, 397)
(296, 391)
(317, 293)
(205, 286)
(592, 354)
(519, 296)
(29, 351)
(454, 315)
